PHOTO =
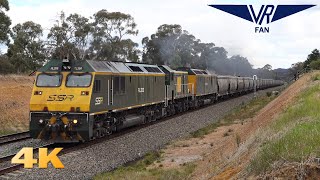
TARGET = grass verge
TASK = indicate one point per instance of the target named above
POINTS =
(139, 170)
(4, 132)
(315, 77)
(241, 113)
(296, 134)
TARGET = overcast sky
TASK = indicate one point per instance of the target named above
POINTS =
(290, 40)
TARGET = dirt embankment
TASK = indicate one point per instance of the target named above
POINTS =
(14, 102)
(225, 153)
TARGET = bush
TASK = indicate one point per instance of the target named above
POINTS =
(315, 64)
(269, 94)
(315, 77)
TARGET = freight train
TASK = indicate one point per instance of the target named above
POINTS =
(77, 101)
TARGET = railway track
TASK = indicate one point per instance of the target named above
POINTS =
(11, 138)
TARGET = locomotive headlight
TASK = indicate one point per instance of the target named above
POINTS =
(38, 93)
(41, 121)
(84, 93)
(75, 121)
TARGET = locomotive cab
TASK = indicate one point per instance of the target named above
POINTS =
(60, 102)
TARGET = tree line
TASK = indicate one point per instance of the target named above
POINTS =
(311, 63)
(106, 36)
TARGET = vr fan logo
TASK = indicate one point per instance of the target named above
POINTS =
(267, 13)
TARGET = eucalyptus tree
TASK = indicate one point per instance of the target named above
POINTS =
(313, 56)
(5, 21)
(170, 45)
(5, 66)
(27, 50)
(69, 37)
(110, 37)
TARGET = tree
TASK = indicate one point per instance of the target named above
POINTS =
(160, 48)
(5, 66)
(5, 22)
(109, 32)
(267, 67)
(27, 50)
(171, 45)
(265, 72)
(186, 50)
(213, 58)
(315, 64)
(69, 37)
(315, 55)
(241, 66)
(206, 53)
(296, 67)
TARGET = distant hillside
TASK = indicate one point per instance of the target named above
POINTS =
(283, 74)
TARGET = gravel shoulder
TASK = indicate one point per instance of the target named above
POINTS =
(109, 154)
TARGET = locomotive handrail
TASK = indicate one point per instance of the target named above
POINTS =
(184, 94)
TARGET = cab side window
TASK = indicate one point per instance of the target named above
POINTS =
(97, 86)
(119, 85)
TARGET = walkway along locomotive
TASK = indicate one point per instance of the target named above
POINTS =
(76, 101)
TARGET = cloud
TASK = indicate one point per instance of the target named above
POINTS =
(290, 40)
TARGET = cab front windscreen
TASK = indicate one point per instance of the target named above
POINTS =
(49, 80)
(79, 80)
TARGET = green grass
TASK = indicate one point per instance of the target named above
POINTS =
(298, 130)
(138, 170)
(315, 77)
(6, 132)
(241, 113)
(206, 130)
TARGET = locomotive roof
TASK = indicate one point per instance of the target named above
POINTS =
(173, 71)
(194, 71)
(99, 66)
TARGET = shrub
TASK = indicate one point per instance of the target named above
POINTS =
(315, 64)
(269, 94)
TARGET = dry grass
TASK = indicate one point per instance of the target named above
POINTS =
(14, 102)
